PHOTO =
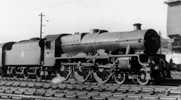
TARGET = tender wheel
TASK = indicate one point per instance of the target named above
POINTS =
(25, 74)
(82, 74)
(65, 72)
(102, 75)
(119, 77)
(38, 76)
(143, 78)
(10, 72)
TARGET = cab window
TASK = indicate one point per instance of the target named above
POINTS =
(48, 45)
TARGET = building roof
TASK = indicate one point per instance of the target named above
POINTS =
(172, 2)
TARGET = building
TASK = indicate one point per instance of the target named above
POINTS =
(173, 17)
(174, 23)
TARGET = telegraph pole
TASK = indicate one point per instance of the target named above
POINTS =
(41, 43)
(41, 24)
(160, 42)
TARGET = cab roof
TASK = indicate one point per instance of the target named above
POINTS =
(54, 37)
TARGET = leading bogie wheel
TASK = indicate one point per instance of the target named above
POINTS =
(143, 77)
(119, 77)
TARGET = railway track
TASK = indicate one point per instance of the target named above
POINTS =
(44, 90)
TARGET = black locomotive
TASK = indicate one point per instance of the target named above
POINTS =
(99, 55)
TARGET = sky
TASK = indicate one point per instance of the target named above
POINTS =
(20, 19)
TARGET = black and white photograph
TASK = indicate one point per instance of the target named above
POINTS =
(90, 50)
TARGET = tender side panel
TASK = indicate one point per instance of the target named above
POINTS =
(24, 53)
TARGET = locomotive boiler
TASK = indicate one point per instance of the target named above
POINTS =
(108, 56)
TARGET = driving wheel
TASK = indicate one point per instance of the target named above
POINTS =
(65, 72)
(119, 77)
(102, 75)
(81, 74)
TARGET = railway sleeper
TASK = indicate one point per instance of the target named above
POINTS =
(50, 92)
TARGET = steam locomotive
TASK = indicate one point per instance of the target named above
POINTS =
(98, 55)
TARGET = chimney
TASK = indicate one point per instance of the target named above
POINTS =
(137, 26)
